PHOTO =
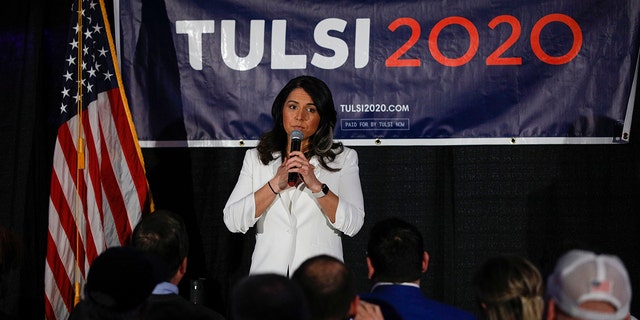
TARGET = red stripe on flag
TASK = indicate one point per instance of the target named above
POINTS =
(65, 210)
(59, 269)
(130, 151)
(114, 196)
(61, 279)
(92, 172)
(49, 312)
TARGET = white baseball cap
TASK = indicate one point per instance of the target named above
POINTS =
(581, 276)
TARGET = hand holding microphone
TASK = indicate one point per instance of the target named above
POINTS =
(296, 139)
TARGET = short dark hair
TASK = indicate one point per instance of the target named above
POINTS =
(268, 296)
(164, 234)
(396, 251)
(321, 143)
(328, 285)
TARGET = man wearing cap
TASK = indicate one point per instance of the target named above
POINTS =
(588, 286)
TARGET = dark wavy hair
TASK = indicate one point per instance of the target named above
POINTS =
(321, 142)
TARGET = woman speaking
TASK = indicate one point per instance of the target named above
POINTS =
(299, 187)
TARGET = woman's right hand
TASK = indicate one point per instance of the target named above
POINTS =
(271, 190)
(280, 180)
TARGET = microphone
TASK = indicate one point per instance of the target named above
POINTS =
(296, 138)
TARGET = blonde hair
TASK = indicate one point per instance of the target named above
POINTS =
(509, 288)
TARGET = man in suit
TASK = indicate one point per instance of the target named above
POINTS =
(163, 234)
(396, 260)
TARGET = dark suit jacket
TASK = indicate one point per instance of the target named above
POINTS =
(173, 306)
(409, 303)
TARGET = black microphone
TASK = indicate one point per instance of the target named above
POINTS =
(296, 138)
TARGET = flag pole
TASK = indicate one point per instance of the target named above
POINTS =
(80, 158)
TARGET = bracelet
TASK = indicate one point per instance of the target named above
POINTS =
(270, 187)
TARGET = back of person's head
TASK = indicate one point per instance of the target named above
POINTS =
(396, 251)
(268, 296)
(509, 288)
(328, 285)
(118, 283)
(589, 286)
(163, 233)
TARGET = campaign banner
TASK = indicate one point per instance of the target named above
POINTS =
(205, 73)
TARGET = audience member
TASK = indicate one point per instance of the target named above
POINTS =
(163, 234)
(330, 290)
(509, 288)
(268, 296)
(119, 281)
(588, 286)
(396, 260)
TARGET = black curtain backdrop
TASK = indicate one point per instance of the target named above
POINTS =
(471, 202)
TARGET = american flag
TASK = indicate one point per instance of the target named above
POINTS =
(99, 190)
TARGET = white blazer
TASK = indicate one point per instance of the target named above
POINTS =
(293, 228)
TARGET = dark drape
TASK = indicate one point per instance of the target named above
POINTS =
(471, 202)
(32, 45)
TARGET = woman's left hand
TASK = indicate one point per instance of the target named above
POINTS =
(298, 163)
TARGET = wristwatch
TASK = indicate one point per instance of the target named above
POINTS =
(323, 191)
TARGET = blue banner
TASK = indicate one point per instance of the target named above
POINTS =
(205, 73)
